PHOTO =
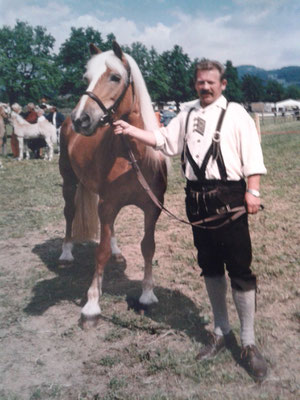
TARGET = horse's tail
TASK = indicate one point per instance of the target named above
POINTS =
(86, 221)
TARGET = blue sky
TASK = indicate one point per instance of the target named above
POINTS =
(264, 33)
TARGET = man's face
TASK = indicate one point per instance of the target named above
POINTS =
(209, 86)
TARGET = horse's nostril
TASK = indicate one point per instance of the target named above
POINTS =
(81, 122)
(85, 120)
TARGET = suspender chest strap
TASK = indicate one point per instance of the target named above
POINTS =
(214, 151)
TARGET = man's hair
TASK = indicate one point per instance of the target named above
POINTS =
(208, 65)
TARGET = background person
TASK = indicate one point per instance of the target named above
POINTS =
(56, 118)
(216, 167)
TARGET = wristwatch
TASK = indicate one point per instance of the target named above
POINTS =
(254, 192)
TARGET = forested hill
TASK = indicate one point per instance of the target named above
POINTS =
(286, 76)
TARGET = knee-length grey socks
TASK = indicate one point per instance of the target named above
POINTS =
(216, 289)
(244, 302)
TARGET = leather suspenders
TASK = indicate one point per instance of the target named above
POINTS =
(214, 151)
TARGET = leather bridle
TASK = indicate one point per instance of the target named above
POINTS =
(107, 118)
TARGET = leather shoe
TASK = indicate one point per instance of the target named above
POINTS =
(254, 362)
(216, 343)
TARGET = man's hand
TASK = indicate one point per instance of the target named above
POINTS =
(252, 203)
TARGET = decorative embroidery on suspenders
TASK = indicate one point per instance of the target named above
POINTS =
(214, 151)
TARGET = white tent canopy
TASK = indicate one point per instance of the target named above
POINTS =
(287, 104)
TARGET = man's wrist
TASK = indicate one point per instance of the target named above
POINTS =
(254, 192)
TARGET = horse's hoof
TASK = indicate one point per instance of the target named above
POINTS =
(118, 258)
(88, 322)
(65, 262)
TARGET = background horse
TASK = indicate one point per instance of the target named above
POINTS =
(4, 113)
(25, 130)
(98, 160)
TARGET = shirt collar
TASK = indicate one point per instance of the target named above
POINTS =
(221, 102)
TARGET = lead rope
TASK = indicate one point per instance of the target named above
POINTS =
(237, 211)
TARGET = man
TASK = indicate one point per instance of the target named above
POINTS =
(220, 150)
(56, 118)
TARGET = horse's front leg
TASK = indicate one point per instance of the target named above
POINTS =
(92, 310)
(148, 248)
(49, 148)
(21, 147)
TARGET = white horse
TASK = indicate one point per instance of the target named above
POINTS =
(24, 130)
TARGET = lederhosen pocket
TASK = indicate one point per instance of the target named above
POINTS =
(211, 198)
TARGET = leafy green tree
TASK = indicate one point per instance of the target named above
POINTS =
(157, 80)
(27, 68)
(292, 92)
(253, 89)
(233, 90)
(73, 56)
(178, 67)
(274, 91)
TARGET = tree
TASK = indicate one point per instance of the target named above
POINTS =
(233, 90)
(292, 92)
(274, 91)
(73, 56)
(157, 79)
(27, 67)
(253, 89)
(178, 67)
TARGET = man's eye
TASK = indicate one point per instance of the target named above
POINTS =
(115, 78)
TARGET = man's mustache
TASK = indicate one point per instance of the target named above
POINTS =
(205, 91)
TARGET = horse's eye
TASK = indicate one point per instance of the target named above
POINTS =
(115, 78)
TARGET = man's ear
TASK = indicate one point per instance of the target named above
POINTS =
(224, 84)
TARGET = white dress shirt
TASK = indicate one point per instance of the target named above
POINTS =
(240, 145)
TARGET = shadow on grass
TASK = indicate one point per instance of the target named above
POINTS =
(71, 283)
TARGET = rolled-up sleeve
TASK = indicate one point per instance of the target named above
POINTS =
(251, 151)
(170, 139)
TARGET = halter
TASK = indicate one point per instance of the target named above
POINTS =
(107, 118)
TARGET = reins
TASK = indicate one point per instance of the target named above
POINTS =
(236, 211)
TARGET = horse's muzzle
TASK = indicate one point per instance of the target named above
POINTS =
(82, 124)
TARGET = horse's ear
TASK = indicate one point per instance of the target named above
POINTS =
(117, 50)
(94, 49)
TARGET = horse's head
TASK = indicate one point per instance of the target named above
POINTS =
(5, 110)
(107, 97)
(16, 108)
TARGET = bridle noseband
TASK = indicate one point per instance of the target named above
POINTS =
(107, 118)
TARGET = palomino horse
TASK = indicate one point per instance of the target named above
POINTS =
(95, 165)
(24, 130)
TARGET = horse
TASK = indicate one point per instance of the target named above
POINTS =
(25, 130)
(4, 113)
(95, 167)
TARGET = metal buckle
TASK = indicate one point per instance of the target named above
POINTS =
(223, 210)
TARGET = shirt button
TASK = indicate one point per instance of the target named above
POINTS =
(197, 155)
(198, 141)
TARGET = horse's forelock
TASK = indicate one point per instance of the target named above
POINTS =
(99, 63)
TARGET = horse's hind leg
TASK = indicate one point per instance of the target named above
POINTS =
(148, 249)
(49, 148)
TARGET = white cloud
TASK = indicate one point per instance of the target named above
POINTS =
(245, 35)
